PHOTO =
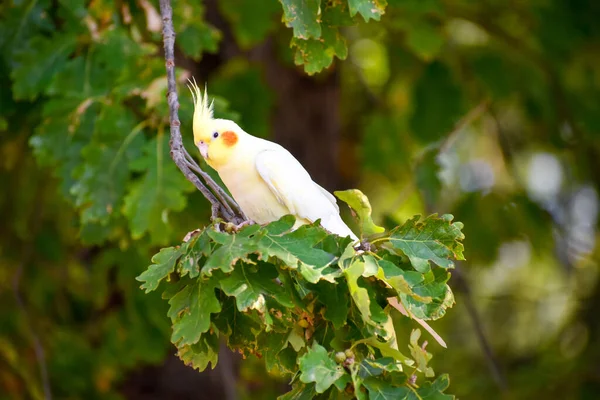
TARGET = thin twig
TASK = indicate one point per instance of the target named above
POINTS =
(196, 168)
(465, 121)
(449, 139)
(490, 357)
(40, 355)
(222, 195)
(219, 203)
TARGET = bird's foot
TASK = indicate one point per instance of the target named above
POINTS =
(243, 224)
(231, 227)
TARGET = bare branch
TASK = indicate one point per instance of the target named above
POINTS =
(221, 204)
(493, 364)
(221, 194)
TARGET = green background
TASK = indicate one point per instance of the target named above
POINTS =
(488, 110)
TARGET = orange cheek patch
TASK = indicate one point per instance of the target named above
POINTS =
(229, 138)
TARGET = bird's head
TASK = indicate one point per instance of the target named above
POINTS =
(215, 138)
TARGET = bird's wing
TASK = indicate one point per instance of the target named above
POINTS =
(293, 187)
(329, 196)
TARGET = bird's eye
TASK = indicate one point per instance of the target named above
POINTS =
(216, 135)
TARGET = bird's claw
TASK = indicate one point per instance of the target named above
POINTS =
(231, 227)
(243, 224)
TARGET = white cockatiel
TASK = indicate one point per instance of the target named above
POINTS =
(265, 179)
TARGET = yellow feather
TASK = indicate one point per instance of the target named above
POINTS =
(203, 110)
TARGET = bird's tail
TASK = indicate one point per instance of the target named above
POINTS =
(335, 224)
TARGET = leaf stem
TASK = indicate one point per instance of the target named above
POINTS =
(381, 239)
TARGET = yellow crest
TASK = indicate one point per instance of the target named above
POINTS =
(203, 110)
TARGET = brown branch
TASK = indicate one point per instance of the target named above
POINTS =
(222, 205)
(493, 364)
(221, 194)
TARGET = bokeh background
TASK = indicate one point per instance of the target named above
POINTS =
(488, 110)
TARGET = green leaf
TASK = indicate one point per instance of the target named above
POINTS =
(52, 147)
(317, 54)
(361, 206)
(296, 247)
(197, 249)
(337, 14)
(103, 176)
(38, 62)
(380, 389)
(198, 38)
(359, 294)
(368, 8)
(335, 299)
(300, 391)
(379, 366)
(190, 311)
(313, 275)
(303, 17)
(317, 366)
(249, 287)
(234, 247)
(430, 298)
(434, 390)
(419, 354)
(272, 343)
(161, 191)
(200, 354)
(163, 263)
(402, 281)
(364, 298)
(387, 349)
(70, 81)
(194, 34)
(434, 239)
(119, 66)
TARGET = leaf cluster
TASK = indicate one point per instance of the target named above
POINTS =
(316, 28)
(311, 304)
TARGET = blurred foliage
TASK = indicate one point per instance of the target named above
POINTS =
(487, 110)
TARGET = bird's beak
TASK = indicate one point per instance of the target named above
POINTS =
(203, 147)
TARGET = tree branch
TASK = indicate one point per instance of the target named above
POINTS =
(223, 206)
(490, 358)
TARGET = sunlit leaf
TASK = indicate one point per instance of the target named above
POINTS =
(368, 8)
(361, 206)
(433, 239)
(420, 355)
(317, 366)
(163, 263)
(302, 16)
(317, 54)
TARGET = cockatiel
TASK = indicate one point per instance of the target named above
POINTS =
(264, 178)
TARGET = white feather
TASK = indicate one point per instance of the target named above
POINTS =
(294, 188)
